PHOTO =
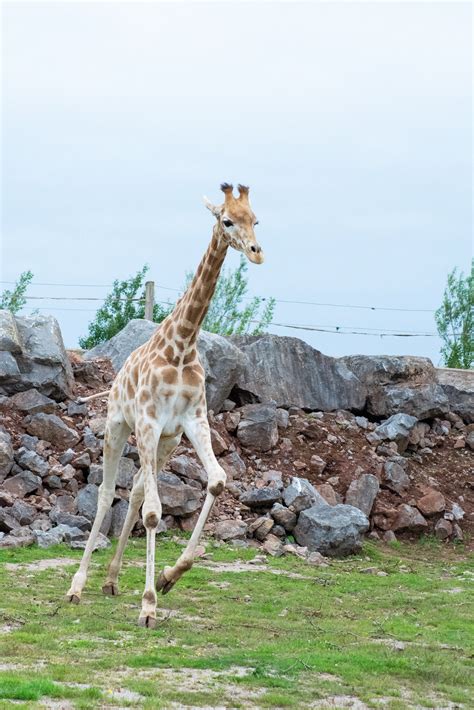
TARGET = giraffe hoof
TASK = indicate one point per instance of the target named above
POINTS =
(73, 598)
(147, 622)
(110, 589)
(163, 585)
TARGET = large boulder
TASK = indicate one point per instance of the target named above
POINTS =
(332, 530)
(301, 494)
(51, 428)
(258, 428)
(458, 386)
(219, 357)
(177, 498)
(32, 355)
(6, 454)
(399, 384)
(292, 373)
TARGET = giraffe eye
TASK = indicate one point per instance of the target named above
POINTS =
(255, 223)
(227, 223)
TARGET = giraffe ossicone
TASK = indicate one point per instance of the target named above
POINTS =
(160, 394)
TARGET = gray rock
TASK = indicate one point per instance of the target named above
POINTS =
(8, 521)
(176, 497)
(306, 378)
(230, 529)
(301, 494)
(470, 440)
(54, 536)
(35, 349)
(258, 426)
(234, 465)
(92, 444)
(119, 513)
(86, 501)
(399, 384)
(257, 498)
(32, 461)
(101, 543)
(32, 402)
(362, 493)
(284, 516)
(395, 478)
(186, 467)
(51, 428)
(73, 521)
(126, 472)
(74, 409)
(458, 386)
(29, 442)
(22, 484)
(220, 358)
(6, 454)
(334, 531)
(23, 512)
(96, 474)
(396, 428)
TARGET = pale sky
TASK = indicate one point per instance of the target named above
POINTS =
(351, 122)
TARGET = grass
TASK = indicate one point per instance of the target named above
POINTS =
(285, 637)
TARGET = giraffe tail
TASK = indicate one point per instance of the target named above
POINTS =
(82, 400)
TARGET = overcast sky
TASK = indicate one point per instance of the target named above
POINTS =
(351, 123)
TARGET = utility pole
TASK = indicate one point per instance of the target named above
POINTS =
(149, 299)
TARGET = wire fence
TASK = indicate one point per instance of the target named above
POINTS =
(322, 328)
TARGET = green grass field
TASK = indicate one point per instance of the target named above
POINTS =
(233, 634)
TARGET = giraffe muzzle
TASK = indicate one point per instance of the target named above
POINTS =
(255, 254)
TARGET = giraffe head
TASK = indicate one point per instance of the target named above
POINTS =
(237, 222)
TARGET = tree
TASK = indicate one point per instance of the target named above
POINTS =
(227, 315)
(15, 299)
(455, 320)
(125, 302)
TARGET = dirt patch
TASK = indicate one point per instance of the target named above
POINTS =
(40, 565)
(236, 567)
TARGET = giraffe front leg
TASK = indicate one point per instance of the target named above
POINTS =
(199, 435)
(151, 514)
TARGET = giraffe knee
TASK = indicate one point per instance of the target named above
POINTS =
(151, 520)
(217, 488)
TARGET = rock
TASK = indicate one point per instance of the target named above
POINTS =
(299, 465)
(399, 384)
(409, 518)
(231, 421)
(6, 452)
(317, 464)
(283, 418)
(32, 402)
(261, 527)
(443, 529)
(470, 440)
(97, 426)
(8, 522)
(362, 493)
(73, 521)
(29, 442)
(83, 461)
(51, 428)
(34, 358)
(459, 443)
(257, 498)
(86, 501)
(219, 357)
(230, 529)
(92, 444)
(102, 543)
(56, 535)
(316, 559)
(186, 467)
(96, 474)
(66, 504)
(23, 512)
(219, 444)
(457, 533)
(333, 531)
(30, 460)
(67, 456)
(301, 494)
(396, 428)
(328, 493)
(283, 516)
(273, 546)
(395, 478)
(74, 409)
(389, 536)
(119, 513)
(176, 497)
(126, 472)
(22, 484)
(306, 378)
(228, 405)
(273, 478)
(431, 503)
(458, 386)
(234, 465)
(457, 511)
(258, 426)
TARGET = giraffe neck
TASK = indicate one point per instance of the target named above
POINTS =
(192, 307)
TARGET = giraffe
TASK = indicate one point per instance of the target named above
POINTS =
(160, 394)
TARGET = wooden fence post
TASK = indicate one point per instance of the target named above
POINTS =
(149, 299)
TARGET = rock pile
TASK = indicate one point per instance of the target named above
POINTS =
(300, 480)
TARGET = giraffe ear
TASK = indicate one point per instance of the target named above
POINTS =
(216, 210)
